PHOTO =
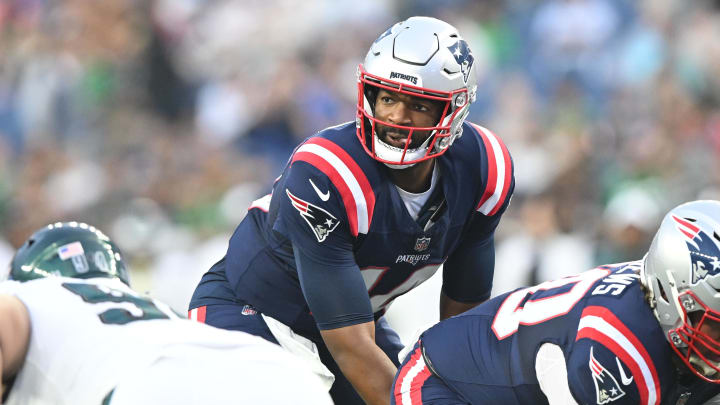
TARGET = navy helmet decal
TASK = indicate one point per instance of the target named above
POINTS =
(383, 35)
(461, 51)
(704, 251)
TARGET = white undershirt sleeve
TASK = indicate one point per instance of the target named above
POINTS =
(551, 373)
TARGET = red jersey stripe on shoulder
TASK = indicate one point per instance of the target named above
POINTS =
(492, 169)
(347, 177)
(508, 177)
(336, 178)
(417, 384)
(197, 314)
(601, 325)
(499, 172)
(355, 169)
(408, 385)
(397, 392)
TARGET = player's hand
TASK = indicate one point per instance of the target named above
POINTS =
(365, 365)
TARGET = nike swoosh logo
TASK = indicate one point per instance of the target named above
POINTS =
(623, 376)
(323, 196)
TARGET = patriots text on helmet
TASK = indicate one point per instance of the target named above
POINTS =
(403, 76)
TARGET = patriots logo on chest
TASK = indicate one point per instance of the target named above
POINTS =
(321, 222)
(704, 251)
(463, 57)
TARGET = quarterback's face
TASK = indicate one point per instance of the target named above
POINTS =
(402, 109)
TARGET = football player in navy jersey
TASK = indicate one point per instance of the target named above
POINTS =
(367, 210)
(644, 332)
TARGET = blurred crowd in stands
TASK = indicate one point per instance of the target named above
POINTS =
(160, 121)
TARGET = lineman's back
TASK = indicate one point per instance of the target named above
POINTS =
(93, 340)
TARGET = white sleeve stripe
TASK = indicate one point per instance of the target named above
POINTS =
(602, 326)
(501, 166)
(347, 176)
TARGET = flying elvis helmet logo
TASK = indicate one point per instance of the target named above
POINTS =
(461, 52)
(704, 249)
(321, 222)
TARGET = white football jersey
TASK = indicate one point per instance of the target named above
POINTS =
(88, 336)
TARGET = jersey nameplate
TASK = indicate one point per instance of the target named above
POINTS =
(616, 283)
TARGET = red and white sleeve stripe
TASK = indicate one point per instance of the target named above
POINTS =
(601, 325)
(500, 172)
(347, 177)
(408, 386)
(197, 314)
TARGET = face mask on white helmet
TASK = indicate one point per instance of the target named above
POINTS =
(425, 58)
(682, 274)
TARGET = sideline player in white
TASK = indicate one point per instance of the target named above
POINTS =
(73, 332)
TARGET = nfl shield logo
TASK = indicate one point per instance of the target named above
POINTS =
(422, 244)
(248, 310)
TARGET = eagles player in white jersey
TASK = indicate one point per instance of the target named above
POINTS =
(73, 332)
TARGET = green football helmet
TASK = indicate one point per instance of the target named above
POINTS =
(69, 249)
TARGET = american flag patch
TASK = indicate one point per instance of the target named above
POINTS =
(70, 250)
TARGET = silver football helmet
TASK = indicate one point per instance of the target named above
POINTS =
(682, 274)
(422, 57)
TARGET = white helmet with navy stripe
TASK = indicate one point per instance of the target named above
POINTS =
(682, 274)
(422, 57)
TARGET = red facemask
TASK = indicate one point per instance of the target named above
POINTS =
(439, 135)
(701, 335)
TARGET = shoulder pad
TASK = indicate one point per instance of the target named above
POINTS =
(346, 176)
(611, 357)
(496, 192)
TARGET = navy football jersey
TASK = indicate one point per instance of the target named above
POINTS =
(614, 348)
(339, 207)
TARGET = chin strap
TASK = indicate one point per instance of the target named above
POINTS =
(702, 367)
(387, 150)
